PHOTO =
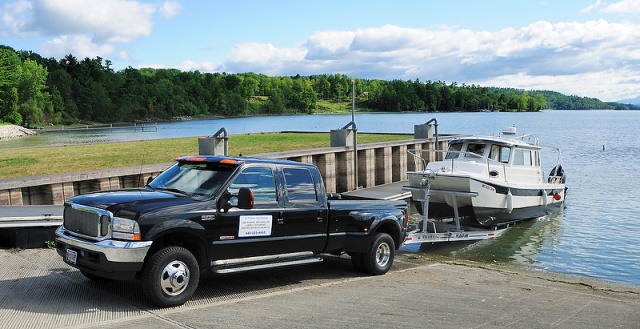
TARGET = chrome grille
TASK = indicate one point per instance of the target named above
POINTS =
(86, 221)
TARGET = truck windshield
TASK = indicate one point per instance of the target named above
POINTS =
(195, 179)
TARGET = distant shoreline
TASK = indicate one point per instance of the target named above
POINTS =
(13, 131)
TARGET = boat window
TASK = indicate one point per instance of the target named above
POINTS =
(522, 157)
(537, 158)
(504, 154)
(500, 153)
(475, 150)
(454, 150)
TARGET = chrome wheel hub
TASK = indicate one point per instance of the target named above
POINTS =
(383, 254)
(174, 278)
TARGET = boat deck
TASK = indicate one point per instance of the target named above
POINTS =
(391, 191)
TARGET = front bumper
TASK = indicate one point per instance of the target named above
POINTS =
(108, 258)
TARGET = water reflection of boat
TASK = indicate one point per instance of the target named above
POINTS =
(488, 181)
(519, 245)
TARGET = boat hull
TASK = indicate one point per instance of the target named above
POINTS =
(493, 203)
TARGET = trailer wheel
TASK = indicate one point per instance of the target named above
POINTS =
(380, 256)
(170, 277)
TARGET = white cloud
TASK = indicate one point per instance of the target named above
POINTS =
(264, 58)
(623, 7)
(83, 27)
(106, 21)
(206, 66)
(541, 54)
(170, 8)
(608, 85)
(592, 7)
(79, 46)
(153, 66)
(328, 44)
(13, 16)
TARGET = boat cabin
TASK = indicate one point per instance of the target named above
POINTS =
(516, 154)
(494, 158)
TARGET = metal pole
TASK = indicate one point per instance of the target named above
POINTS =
(435, 123)
(225, 138)
(355, 132)
(355, 150)
(353, 100)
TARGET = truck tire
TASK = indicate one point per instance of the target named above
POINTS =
(379, 259)
(170, 276)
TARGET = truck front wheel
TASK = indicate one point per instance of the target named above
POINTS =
(380, 256)
(170, 277)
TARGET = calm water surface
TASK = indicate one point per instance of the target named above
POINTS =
(597, 235)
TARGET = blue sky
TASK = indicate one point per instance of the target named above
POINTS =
(578, 47)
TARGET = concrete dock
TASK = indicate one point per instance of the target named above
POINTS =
(37, 290)
(28, 226)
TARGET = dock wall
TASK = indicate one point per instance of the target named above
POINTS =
(378, 163)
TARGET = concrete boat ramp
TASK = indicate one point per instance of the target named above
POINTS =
(38, 290)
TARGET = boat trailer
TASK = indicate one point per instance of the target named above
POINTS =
(449, 231)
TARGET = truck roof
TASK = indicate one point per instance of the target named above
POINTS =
(237, 160)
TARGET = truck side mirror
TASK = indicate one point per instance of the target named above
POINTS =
(149, 180)
(245, 198)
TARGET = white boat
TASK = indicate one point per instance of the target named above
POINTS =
(487, 181)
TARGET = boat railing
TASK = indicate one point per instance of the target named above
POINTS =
(421, 161)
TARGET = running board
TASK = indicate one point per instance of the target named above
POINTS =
(263, 262)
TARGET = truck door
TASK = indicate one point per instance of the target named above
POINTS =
(249, 232)
(303, 224)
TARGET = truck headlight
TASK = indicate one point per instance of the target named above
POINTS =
(125, 229)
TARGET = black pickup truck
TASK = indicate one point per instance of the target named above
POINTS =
(223, 214)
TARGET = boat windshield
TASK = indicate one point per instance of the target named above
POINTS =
(475, 150)
(500, 153)
(454, 150)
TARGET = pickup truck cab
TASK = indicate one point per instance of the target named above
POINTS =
(223, 214)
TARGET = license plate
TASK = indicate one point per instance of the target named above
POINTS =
(72, 256)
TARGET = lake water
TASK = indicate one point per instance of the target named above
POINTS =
(597, 235)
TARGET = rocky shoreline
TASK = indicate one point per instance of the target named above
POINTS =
(13, 131)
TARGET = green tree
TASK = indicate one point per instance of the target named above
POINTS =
(57, 104)
(322, 86)
(9, 74)
(11, 113)
(33, 99)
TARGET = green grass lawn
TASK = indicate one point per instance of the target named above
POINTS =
(39, 161)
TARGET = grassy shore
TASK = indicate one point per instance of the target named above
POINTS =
(62, 159)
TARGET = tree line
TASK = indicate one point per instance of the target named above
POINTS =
(36, 91)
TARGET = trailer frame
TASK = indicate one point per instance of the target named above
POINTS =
(454, 232)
